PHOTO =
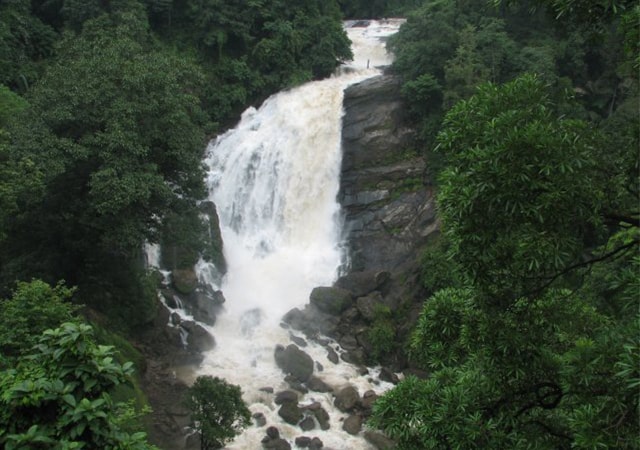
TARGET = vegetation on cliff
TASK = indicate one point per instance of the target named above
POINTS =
(531, 334)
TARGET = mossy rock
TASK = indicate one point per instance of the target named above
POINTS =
(185, 281)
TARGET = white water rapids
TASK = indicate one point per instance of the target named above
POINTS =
(274, 180)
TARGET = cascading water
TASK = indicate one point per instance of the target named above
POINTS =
(274, 179)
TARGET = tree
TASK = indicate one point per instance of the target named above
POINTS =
(58, 396)
(33, 308)
(536, 343)
(116, 131)
(519, 197)
(217, 411)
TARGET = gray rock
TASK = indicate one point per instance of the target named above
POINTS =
(352, 424)
(198, 340)
(385, 231)
(368, 399)
(273, 433)
(287, 396)
(260, 419)
(331, 300)
(317, 385)
(307, 424)
(290, 413)
(184, 281)
(362, 283)
(322, 416)
(346, 399)
(294, 361)
(297, 340)
(316, 444)
(295, 384)
(379, 440)
(303, 441)
(276, 444)
(204, 303)
(369, 305)
(356, 356)
(389, 376)
(193, 441)
(332, 356)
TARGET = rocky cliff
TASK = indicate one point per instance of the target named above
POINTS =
(384, 190)
(389, 217)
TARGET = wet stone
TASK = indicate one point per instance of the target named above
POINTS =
(259, 419)
(307, 424)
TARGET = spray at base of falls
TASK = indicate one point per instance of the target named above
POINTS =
(275, 179)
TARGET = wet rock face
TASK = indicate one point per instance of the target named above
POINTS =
(384, 189)
(294, 361)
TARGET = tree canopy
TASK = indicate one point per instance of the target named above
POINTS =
(531, 334)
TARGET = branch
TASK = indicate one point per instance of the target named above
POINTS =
(626, 219)
(589, 262)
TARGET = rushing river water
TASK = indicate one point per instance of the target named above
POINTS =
(274, 179)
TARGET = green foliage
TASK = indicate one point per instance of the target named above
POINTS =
(382, 333)
(24, 42)
(438, 269)
(531, 335)
(217, 410)
(518, 199)
(33, 308)
(59, 398)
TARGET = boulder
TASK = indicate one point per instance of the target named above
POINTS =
(184, 281)
(294, 361)
(259, 419)
(295, 384)
(369, 305)
(198, 340)
(346, 399)
(388, 376)
(368, 399)
(317, 385)
(332, 356)
(204, 303)
(352, 424)
(379, 440)
(311, 321)
(287, 396)
(273, 433)
(297, 340)
(322, 416)
(316, 444)
(275, 444)
(303, 441)
(331, 300)
(193, 441)
(307, 424)
(363, 282)
(290, 413)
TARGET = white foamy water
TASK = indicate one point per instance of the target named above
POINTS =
(274, 179)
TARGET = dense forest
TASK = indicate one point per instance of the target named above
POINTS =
(527, 113)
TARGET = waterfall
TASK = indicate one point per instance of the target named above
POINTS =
(275, 179)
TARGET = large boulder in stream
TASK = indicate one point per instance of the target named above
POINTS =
(331, 300)
(205, 303)
(346, 399)
(198, 340)
(294, 361)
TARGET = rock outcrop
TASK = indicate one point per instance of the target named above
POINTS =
(384, 191)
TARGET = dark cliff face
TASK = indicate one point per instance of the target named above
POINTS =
(384, 192)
